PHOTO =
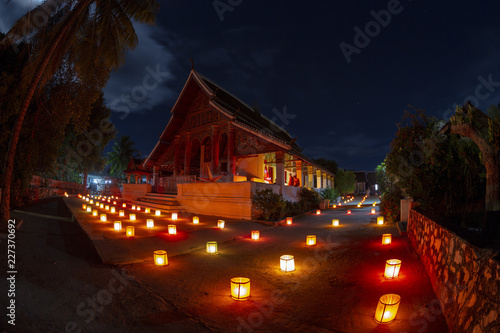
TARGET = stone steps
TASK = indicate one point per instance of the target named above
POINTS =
(165, 202)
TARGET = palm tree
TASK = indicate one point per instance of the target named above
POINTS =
(123, 150)
(95, 32)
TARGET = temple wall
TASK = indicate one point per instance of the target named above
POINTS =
(132, 192)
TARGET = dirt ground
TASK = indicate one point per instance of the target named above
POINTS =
(62, 286)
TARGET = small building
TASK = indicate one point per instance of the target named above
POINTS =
(216, 152)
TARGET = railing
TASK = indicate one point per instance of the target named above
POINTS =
(169, 184)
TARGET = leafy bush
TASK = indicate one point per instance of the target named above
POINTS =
(390, 205)
(309, 199)
(330, 194)
(271, 205)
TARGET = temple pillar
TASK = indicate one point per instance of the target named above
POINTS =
(323, 178)
(298, 171)
(318, 178)
(136, 178)
(215, 149)
(176, 155)
(128, 178)
(202, 161)
(280, 169)
(187, 155)
(310, 175)
(231, 158)
(332, 183)
(155, 178)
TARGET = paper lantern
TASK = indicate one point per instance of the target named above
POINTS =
(113, 209)
(359, 205)
(106, 207)
(221, 224)
(255, 234)
(172, 229)
(130, 231)
(91, 201)
(114, 202)
(240, 288)
(373, 211)
(349, 212)
(118, 226)
(124, 205)
(387, 308)
(121, 213)
(334, 206)
(101, 205)
(89, 209)
(133, 207)
(87, 199)
(84, 207)
(386, 239)
(289, 220)
(147, 210)
(380, 220)
(138, 208)
(174, 216)
(318, 212)
(109, 200)
(103, 218)
(311, 240)
(160, 258)
(66, 194)
(196, 220)
(374, 204)
(94, 212)
(158, 212)
(150, 223)
(212, 247)
(132, 217)
(340, 204)
(97, 204)
(79, 195)
(286, 263)
(335, 222)
(392, 267)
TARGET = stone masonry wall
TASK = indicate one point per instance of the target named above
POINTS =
(464, 277)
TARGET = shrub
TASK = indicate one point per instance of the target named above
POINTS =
(271, 205)
(330, 194)
(309, 199)
(390, 205)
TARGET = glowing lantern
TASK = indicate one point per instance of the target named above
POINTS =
(212, 247)
(87, 199)
(114, 202)
(89, 209)
(392, 267)
(91, 202)
(106, 207)
(174, 216)
(380, 220)
(113, 209)
(103, 218)
(386, 239)
(160, 258)
(79, 195)
(138, 208)
(286, 263)
(220, 224)
(133, 207)
(66, 194)
(373, 211)
(172, 229)
(334, 206)
(147, 210)
(84, 206)
(349, 212)
(240, 288)
(130, 231)
(374, 204)
(101, 205)
(387, 308)
(158, 212)
(94, 212)
(340, 204)
(121, 213)
(311, 240)
(289, 220)
(118, 226)
(255, 234)
(132, 217)
(150, 223)
(196, 220)
(318, 212)
(335, 222)
(359, 205)
(124, 205)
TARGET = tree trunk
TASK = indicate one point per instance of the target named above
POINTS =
(85, 174)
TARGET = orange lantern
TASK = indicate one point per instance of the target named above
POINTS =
(289, 220)
(349, 212)
(221, 224)
(150, 223)
(287, 263)
(255, 234)
(106, 207)
(311, 240)
(335, 222)
(318, 212)
(147, 210)
(380, 220)
(387, 308)
(334, 206)
(91, 201)
(138, 208)
(373, 211)
(89, 209)
(172, 229)
(392, 267)
(113, 209)
(114, 202)
(132, 217)
(121, 213)
(174, 216)
(94, 212)
(103, 218)
(240, 288)
(101, 205)
(118, 226)
(158, 212)
(133, 207)
(130, 231)
(124, 205)
(386, 239)
(212, 247)
(160, 258)
(84, 207)
(196, 220)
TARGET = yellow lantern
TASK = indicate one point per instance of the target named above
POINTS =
(174, 216)
(212, 247)
(87, 199)
(349, 212)
(109, 200)
(147, 210)
(66, 194)
(318, 212)
(289, 220)
(359, 205)
(132, 217)
(101, 205)
(221, 224)
(240, 288)
(340, 204)
(114, 202)
(121, 213)
(150, 223)
(386, 239)
(89, 209)
(373, 211)
(158, 212)
(380, 220)
(124, 205)
(160, 258)
(79, 195)
(103, 218)
(138, 208)
(91, 201)
(311, 240)
(118, 226)
(172, 229)
(335, 222)
(387, 308)
(133, 207)
(130, 231)
(106, 207)
(113, 209)
(255, 234)
(94, 212)
(334, 206)
(374, 204)
(84, 206)
(196, 220)
(392, 267)
(287, 263)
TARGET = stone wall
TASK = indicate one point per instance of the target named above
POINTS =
(465, 278)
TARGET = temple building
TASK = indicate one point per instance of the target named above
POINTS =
(216, 152)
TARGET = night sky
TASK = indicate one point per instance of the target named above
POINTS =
(286, 56)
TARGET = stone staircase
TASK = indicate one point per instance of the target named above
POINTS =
(165, 202)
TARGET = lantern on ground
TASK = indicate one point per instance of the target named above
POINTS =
(158, 212)
(87, 199)
(334, 206)
(335, 222)
(147, 210)
(130, 231)
(132, 217)
(124, 205)
(373, 211)
(94, 212)
(79, 195)
(240, 288)
(286, 263)
(133, 207)
(386, 239)
(387, 308)
(374, 204)
(311, 240)
(289, 220)
(380, 220)
(150, 223)
(172, 229)
(340, 204)
(160, 258)
(255, 234)
(113, 209)
(121, 213)
(89, 209)
(196, 220)
(114, 202)
(84, 206)
(318, 212)
(101, 205)
(221, 224)
(174, 216)
(66, 194)
(91, 201)
(106, 207)
(359, 205)
(392, 267)
(109, 200)
(103, 218)
(212, 247)
(349, 212)
(118, 226)
(138, 208)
